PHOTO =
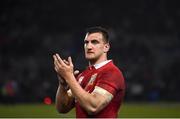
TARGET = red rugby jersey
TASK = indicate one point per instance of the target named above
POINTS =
(108, 77)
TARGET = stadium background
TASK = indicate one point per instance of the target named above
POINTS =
(145, 38)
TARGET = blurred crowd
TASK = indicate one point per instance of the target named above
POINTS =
(145, 44)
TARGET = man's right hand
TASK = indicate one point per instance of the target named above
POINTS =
(62, 81)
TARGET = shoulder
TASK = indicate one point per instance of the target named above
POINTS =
(112, 76)
(110, 68)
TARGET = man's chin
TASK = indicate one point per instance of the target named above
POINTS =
(90, 58)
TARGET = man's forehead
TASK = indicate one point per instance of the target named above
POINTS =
(93, 36)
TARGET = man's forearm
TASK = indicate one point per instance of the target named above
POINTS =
(64, 102)
(92, 103)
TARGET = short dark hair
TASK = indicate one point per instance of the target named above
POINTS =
(99, 29)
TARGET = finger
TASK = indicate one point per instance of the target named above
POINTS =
(54, 57)
(76, 72)
(57, 65)
(60, 60)
(66, 62)
(55, 68)
(55, 60)
(70, 61)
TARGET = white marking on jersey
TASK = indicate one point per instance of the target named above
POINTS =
(93, 77)
(103, 92)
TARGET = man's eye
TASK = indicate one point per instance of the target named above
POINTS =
(85, 42)
(94, 42)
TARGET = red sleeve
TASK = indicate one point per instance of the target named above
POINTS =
(112, 81)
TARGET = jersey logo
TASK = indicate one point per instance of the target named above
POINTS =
(93, 77)
(80, 79)
(89, 86)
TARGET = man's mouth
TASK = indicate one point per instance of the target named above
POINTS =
(90, 52)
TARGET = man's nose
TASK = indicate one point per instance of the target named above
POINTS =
(89, 46)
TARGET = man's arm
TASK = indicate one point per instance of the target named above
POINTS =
(92, 103)
(64, 100)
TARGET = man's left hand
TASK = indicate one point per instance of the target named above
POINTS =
(62, 67)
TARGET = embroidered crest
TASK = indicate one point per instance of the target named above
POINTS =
(93, 77)
(89, 86)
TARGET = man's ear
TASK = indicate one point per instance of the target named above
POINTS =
(106, 47)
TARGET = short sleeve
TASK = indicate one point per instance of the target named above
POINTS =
(111, 80)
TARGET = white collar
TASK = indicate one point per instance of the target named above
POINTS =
(97, 66)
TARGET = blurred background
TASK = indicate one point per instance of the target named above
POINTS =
(145, 45)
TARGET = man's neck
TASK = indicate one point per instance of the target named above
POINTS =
(102, 58)
(93, 62)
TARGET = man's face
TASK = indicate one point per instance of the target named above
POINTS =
(95, 46)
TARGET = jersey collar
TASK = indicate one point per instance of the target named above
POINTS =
(97, 66)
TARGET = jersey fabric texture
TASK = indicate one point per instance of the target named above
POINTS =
(108, 77)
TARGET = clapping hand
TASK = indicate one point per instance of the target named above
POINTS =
(63, 68)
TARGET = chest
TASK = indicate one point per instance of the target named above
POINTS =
(88, 80)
